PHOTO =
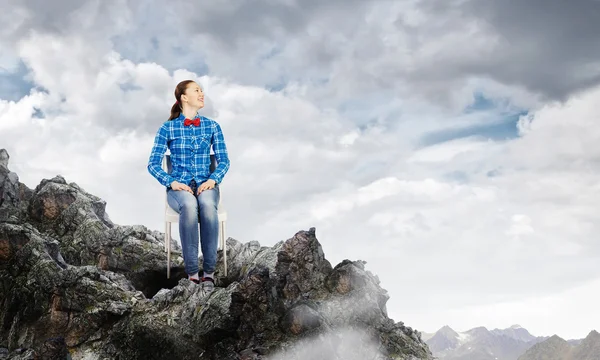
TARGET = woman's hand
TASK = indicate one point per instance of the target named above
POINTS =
(207, 185)
(175, 185)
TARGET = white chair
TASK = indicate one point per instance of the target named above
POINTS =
(171, 216)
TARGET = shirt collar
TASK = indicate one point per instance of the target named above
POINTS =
(182, 117)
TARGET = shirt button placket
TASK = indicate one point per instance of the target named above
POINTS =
(193, 152)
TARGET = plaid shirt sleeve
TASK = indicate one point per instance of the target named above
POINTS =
(156, 156)
(221, 156)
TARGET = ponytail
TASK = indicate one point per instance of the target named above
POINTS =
(175, 111)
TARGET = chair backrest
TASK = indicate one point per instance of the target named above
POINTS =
(168, 167)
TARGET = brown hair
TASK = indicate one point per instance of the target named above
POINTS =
(179, 90)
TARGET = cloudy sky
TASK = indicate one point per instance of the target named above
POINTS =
(451, 145)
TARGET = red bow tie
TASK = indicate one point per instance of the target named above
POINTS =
(196, 122)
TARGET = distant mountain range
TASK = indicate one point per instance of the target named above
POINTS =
(513, 343)
(556, 348)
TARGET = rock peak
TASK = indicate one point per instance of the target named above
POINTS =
(446, 329)
(479, 329)
(592, 336)
(556, 338)
(4, 158)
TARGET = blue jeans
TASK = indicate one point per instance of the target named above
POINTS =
(193, 209)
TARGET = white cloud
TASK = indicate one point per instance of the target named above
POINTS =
(459, 225)
(19, 114)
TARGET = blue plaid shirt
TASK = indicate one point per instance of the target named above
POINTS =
(190, 152)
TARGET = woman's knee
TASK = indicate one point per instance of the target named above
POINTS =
(208, 200)
(184, 201)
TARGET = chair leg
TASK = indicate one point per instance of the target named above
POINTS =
(166, 225)
(221, 235)
(224, 245)
(168, 237)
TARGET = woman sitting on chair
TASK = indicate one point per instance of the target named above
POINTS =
(192, 190)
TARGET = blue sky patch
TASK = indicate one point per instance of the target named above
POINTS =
(502, 124)
(268, 55)
(277, 85)
(152, 50)
(37, 114)
(15, 85)
(503, 130)
(129, 87)
(460, 177)
(480, 103)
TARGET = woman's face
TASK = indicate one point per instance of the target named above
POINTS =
(194, 96)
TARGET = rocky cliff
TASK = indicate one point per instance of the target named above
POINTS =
(74, 285)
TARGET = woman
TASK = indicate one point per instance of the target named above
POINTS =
(192, 190)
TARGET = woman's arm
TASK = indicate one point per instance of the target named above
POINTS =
(221, 156)
(156, 156)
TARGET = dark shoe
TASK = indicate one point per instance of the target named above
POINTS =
(208, 284)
